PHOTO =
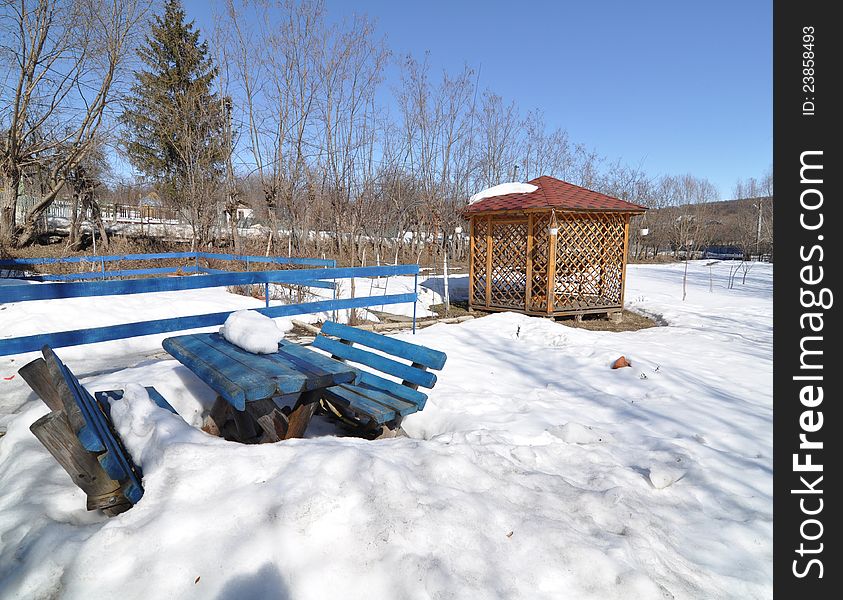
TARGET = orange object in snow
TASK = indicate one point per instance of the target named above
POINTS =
(620, 363)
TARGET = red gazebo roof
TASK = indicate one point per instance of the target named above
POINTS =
(557, 194)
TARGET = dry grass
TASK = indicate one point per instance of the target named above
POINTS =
(630, 322)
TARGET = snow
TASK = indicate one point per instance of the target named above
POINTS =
(513, 187)
(534, 471)
(253, 332)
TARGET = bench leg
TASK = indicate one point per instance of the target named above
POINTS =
(247, 431)
(270, 419)
(217, 418)
(302, 413)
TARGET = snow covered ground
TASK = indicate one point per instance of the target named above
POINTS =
(534, 471)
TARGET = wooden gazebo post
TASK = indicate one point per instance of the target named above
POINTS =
(552, 235)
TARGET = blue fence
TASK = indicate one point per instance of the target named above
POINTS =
(19, 265)
(203, 278)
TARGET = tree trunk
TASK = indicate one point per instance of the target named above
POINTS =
(73, 239)
(29, 229)
(96, 217)
(8, 207)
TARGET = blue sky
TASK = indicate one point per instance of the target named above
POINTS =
(679, 87)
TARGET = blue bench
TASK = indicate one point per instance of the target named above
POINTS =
(89, 420)
(373, 401)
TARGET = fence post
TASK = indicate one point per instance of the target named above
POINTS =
(266, 293)
(416, 301)
(445, 273)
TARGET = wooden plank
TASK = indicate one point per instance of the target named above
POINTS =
(302, 413)
(271, 420)
(376, 361)
(401, 407)
(249, 368)
(95, 259)
(625, 257)
(311, 361)
(529, 287)
(370, 380)
(316, 262)
(163, 284)
(115, 460)
(471, 235)
(489, 260)
(31, 343)
(432, 359)
(37, 375)
(54, 432)
(551, 270)
(281, 260)
(119, 273)
(81, 421)
(217, 417)
(360, 404)
(328, 285)
(66, 394)
(292, 371)
(224, 383)
(225, 378)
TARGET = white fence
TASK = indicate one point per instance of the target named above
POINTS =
(114, 213)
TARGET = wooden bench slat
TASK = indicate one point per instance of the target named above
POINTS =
(401, 407)
(308, 359)
(432, 359)
(367, 379)
(376, 361)
(360, 404)
(115, 460)
(88, 434)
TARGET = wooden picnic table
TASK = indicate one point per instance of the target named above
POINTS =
(278, 392)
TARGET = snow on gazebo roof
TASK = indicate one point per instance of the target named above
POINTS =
(547, 192)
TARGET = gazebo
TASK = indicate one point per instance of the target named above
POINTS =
(552, 249)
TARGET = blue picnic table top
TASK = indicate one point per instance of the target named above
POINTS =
(240, 376)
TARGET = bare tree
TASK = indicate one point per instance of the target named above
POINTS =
(689, 219)
(84, 180)
(65, 61)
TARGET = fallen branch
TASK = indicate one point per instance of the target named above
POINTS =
(409, 324)
(387, 326)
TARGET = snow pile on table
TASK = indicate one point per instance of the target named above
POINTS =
(534, 471)
(253, 331)
(513, 187)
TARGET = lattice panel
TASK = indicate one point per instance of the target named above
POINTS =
(589, 261)
(478, 285)
(540, 255)
(509, 264)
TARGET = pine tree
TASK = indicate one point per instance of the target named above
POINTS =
(174, 120)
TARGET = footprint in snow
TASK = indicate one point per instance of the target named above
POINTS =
(663, 475)
(574, 433)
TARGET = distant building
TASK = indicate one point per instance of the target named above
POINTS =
(151, 199)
